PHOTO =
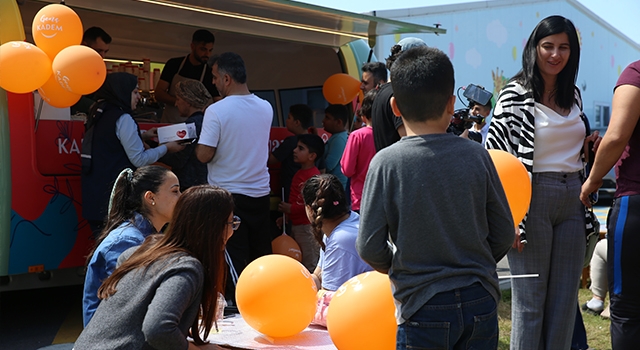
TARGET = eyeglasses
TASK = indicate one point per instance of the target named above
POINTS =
(235, 223)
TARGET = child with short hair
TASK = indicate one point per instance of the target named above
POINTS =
(309, 148)
(359, 151)
(299, 121)
(335, 123)
(435, 216)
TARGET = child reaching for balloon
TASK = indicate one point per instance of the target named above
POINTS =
(335, 228)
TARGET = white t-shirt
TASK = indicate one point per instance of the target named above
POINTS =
(559, 140)
(239, 126)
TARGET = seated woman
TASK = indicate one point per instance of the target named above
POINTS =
(142, 203)
(156, 297)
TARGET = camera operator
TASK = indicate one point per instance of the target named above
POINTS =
(484, 111)
(470, 122)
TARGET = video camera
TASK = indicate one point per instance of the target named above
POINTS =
(462, 119)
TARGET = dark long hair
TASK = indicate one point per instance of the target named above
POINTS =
(326, 197)
(530, 76)
(198, 228)
(128, 196)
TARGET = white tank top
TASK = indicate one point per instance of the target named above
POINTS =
(558, 140)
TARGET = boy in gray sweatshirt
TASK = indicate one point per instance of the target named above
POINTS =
(435, 216)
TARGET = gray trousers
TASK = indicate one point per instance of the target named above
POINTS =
(544, 308)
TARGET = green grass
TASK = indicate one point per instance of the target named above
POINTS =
(596, 326)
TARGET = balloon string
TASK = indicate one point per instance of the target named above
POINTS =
(519, 276)
(283, 216)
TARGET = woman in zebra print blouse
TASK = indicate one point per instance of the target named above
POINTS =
(538, 119)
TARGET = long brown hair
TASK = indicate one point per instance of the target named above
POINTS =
(198, 228)
(529, 76)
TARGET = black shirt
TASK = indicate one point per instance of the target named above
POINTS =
(189, 71)
(384, 123)
(284, 154)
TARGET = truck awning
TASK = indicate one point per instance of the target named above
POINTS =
(276, 19)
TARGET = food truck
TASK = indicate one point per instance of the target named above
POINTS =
(289, 49)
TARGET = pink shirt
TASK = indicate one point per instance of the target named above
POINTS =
(628, 166)
(355, 161)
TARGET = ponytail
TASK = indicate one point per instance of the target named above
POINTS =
(125, 177)
(127, 196)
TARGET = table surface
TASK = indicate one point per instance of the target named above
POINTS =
(236, 333)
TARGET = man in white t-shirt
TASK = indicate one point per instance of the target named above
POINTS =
(234, 143)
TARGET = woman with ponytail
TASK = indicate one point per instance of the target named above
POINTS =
(167, 289)
(335, 228)
(141, 203)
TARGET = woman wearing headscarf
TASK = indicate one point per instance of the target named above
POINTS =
(113, 143)
(191, 99)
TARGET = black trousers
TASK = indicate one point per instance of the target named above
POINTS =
(252, 239)
(623, 269)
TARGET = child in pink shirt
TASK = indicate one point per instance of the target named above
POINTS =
(359, 151)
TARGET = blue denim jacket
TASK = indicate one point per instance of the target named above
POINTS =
(103, 262)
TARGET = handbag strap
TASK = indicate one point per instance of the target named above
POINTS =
(588, 163)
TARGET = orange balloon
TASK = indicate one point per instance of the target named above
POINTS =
(56, 95)
(285, 245)
(24, 67)
(55, 27)
(340, 88)
(515, 182)
(79, 69)
(361, 314)
(276, 296)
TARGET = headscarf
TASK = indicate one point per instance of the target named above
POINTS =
(117, 90)
(193, 92)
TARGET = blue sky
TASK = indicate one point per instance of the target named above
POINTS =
(621, 14)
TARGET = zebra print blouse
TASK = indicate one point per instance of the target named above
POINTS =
(512, 128)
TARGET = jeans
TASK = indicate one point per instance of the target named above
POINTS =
(465, 318)
(579, 339)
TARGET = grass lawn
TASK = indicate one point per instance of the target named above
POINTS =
(596, 326)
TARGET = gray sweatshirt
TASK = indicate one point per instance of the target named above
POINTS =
(152, 309)
(439, 200)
